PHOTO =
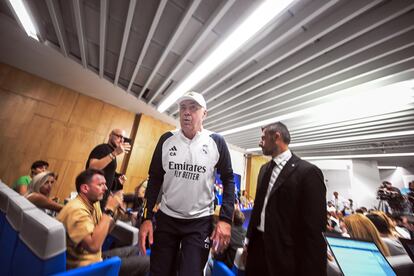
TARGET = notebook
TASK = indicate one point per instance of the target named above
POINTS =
(358, 257)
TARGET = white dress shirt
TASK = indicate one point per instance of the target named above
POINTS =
(280, 161)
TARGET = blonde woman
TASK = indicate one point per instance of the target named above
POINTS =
(389, 222)
(360, 227)
(39, 191)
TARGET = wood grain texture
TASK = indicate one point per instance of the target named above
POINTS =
(42, 120)
(147, 135)
(254, 163)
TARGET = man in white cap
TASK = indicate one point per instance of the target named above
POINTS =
(183, 165)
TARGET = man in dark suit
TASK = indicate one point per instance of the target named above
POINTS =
(284, 236)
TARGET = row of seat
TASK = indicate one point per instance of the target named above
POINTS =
(33, 243)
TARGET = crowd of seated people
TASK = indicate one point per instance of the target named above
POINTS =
(384, 229)
(86, 224)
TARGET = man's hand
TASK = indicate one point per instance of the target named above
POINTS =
(122, 179)
(145, 230)
(122, 148)
(221, 236)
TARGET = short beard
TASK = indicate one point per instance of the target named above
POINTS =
(274, 150)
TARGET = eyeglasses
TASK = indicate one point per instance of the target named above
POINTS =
(118, 135)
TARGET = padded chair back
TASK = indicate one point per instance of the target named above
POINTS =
(17, 206)
(5, 194)
(125, 233)
(3, 185)
(221, 269)
(41, 247)
(108, 267)
(11, 228)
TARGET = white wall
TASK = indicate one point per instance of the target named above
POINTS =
(356, 179)
(338, 181)
(365, 182)
(337, 175)
(333, 164)
(238, 162)
(398, 177)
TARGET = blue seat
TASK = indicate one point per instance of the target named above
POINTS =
(123, 234)
(41, 244)
(237, 271)
(247, 213)
(221, 269)
(12, 226)
(107, 243)
(5, 194)
(108, 267)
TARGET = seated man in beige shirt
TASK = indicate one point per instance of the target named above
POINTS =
(87, 227)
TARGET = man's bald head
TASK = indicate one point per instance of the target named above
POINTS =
(116, 137)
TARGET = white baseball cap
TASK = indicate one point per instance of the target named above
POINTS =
(194, 96)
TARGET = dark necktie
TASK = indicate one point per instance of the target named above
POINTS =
(264, 186)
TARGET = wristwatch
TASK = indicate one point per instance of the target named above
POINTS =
(109, 212)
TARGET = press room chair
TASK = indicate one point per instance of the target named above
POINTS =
(12, 226)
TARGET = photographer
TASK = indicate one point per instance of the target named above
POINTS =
(392, 196)
(103, 157)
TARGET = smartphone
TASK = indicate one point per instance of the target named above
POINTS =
(128, 140)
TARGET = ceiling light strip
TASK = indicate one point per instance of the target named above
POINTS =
(22, 14)
(345, 139)
(255, 22)
(380, 155)
(387, 167)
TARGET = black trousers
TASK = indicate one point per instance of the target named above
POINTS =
(181, 246)
(256, 262)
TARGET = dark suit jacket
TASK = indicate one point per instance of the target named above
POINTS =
(295, 218)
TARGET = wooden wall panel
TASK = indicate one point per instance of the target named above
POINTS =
(86, 113)
(148, 133)
(31, 86)
(65, 105)
(42, 120)
(254, 163)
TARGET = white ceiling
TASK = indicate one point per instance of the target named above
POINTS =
(133, 53)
